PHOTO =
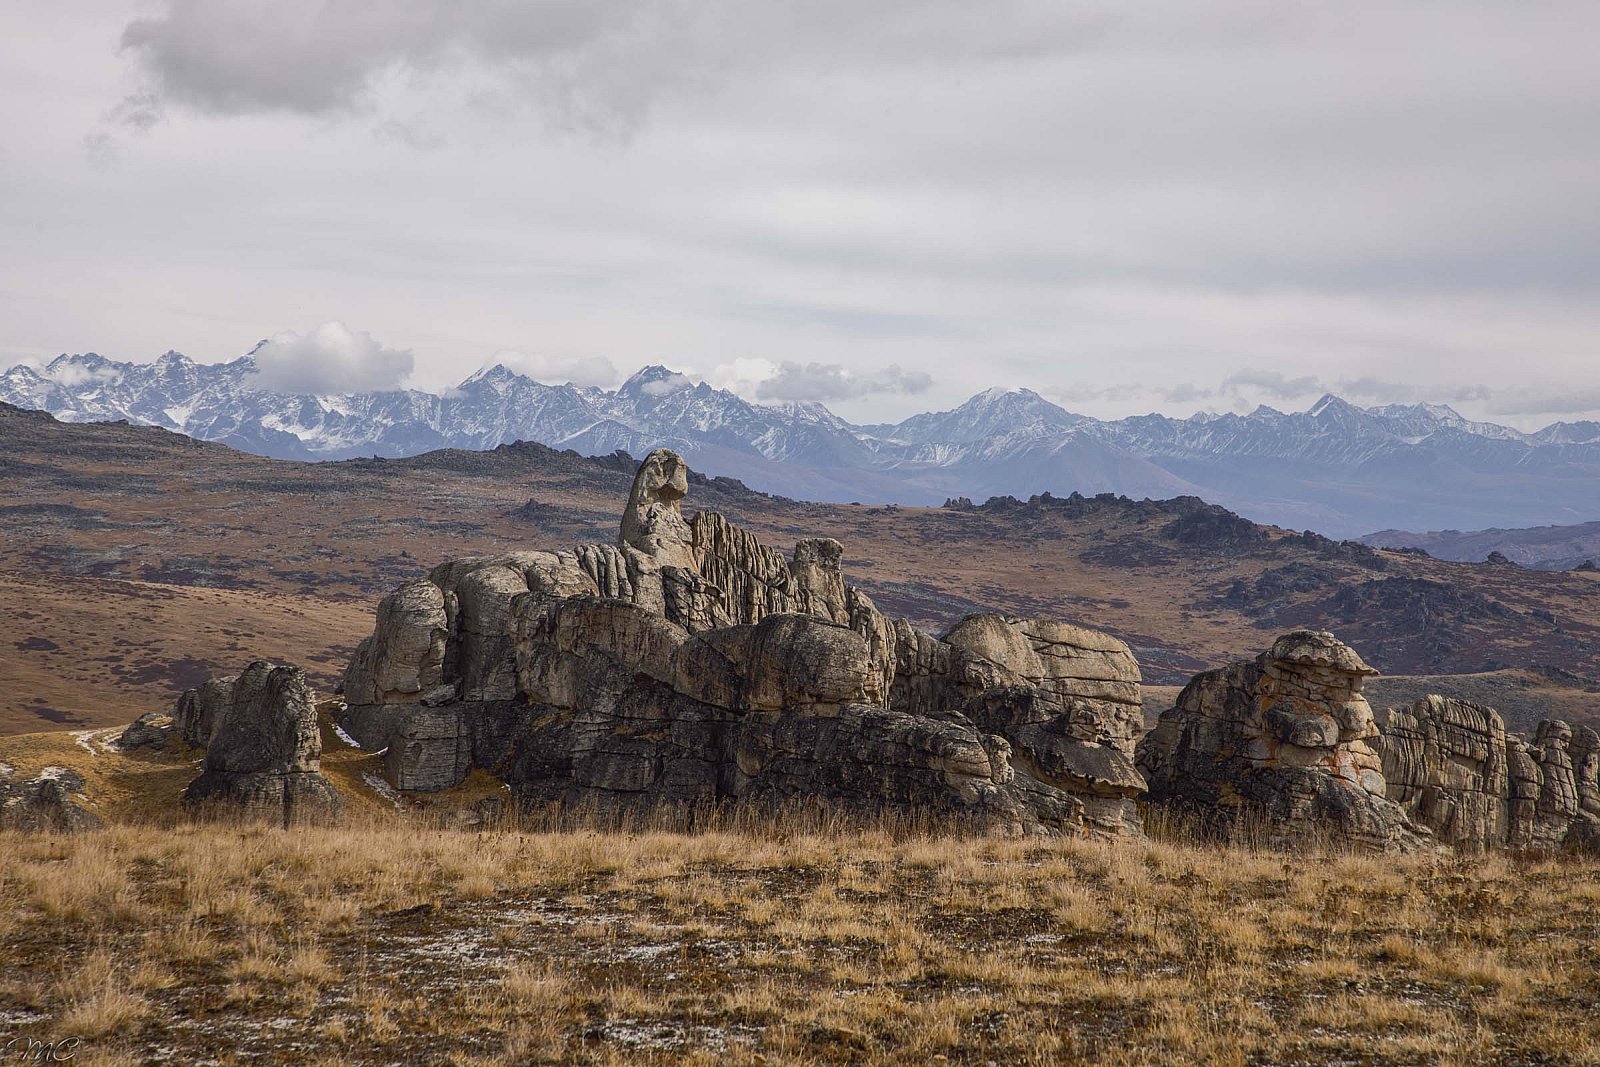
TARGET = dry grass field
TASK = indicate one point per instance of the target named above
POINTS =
(390, 942)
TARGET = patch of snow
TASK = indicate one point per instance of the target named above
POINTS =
(383, 789)
(346, 738)
(82, 737)
(52, 774)
(644, 952)
(646, 1034)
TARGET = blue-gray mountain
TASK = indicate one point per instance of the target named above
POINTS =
(1336, 468)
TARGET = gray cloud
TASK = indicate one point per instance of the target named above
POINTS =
(1031, 192)
(1546, 400)
(330, 359)
(1379, 390)
(822, 382)
(1274, 384)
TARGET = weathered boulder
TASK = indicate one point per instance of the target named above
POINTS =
(1445, 763)
(150, 730)
(198, 709)
(690, 664)
(44, 802)
(265, 751)
(1284, 741)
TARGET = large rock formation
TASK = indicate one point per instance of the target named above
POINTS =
(1453, 767)
(1284, 740)
(263, 750)
(689, 664)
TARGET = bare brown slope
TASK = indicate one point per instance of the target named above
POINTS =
(1188, 585)
(92, 652)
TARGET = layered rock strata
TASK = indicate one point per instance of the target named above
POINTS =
(690, 664)
(263, 748)
(1283, 742)
(1454, 768)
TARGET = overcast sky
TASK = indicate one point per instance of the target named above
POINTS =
(883, 205)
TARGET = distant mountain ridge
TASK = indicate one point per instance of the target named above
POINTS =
(1553, 548)
(1336, 467)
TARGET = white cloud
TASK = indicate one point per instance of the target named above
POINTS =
(672, 383)
(330, 359)
(743, 376)
(821, 382)
(559, 370)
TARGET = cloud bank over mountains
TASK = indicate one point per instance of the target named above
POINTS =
(1154, 206)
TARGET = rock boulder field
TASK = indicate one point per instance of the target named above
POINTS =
(687, 667)
(689, 664)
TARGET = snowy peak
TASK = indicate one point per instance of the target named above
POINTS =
(990, 414)
(653, 382)
(1335, 467)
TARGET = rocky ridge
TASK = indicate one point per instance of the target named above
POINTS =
(1453, 767)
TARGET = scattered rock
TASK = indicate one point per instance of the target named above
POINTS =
(264, 758)
(1284, 740)
(44, 803)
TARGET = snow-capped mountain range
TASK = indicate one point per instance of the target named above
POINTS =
(1336, 467)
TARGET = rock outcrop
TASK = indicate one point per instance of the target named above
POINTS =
(1454, 768)
(1283, 741)
(44, 802)
(690, 665)
(264, 749)
(151, 730)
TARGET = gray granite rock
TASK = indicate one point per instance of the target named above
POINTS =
(689, 664)
(265, 752)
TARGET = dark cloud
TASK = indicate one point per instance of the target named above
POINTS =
(821, 382)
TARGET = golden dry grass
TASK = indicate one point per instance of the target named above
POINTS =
(390, 942)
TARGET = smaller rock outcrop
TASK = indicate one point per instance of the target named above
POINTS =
(1284, 740)
(199, 708)
(150, 730)
(263, 759)
(1453, 766)
(44, 802)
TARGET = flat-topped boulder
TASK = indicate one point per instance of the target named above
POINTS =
(690, 664)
